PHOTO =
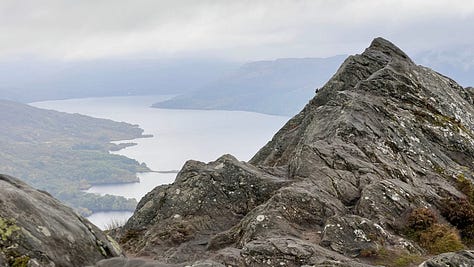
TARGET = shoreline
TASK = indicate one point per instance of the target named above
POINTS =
(173, 148)
(124, 183)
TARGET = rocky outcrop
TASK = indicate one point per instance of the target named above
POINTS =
(335, 186)
(37, 230)
(179, 219)
(461, 258)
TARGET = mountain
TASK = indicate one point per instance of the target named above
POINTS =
(36, 80)
(37, 230)
(375, 170)
(280, 87)
(64, 153)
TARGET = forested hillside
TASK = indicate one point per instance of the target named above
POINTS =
(63, 153)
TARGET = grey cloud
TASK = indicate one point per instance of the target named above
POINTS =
(245, 30)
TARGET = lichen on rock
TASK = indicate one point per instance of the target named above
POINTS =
(7, 228)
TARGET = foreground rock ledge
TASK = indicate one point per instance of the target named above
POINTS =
(461, 258)
(37, 230)
(335, 185)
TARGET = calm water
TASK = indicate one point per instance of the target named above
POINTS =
(179, 135)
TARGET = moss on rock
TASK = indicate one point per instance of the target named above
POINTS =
(21, 261)
(7, 228)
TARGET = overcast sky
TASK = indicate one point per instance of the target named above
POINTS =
(233, 29)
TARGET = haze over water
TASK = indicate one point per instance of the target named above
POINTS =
(178, 135)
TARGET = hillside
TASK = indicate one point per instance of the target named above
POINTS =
(63, 153)
(35, 80)
(280, 87)
(375, 170)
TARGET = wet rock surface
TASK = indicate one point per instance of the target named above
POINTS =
(333, 187)
(37, 230)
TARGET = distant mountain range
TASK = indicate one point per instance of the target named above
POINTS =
(280, 87)
(30, 81)
(283, 86)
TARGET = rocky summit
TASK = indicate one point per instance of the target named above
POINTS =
(377, 169)
(37, 230)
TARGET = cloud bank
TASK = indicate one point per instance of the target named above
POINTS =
(238, 29)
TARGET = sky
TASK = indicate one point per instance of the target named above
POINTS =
(73, 30)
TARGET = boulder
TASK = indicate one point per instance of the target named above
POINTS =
(37, 230)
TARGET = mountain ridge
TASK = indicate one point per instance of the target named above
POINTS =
(39, 80)
(383, 145)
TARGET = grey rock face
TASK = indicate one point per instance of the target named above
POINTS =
(289, 251)
(382, 137)
(37, 229)
(204, 200)
(338, 236)
(461, 259)
(126, 262)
